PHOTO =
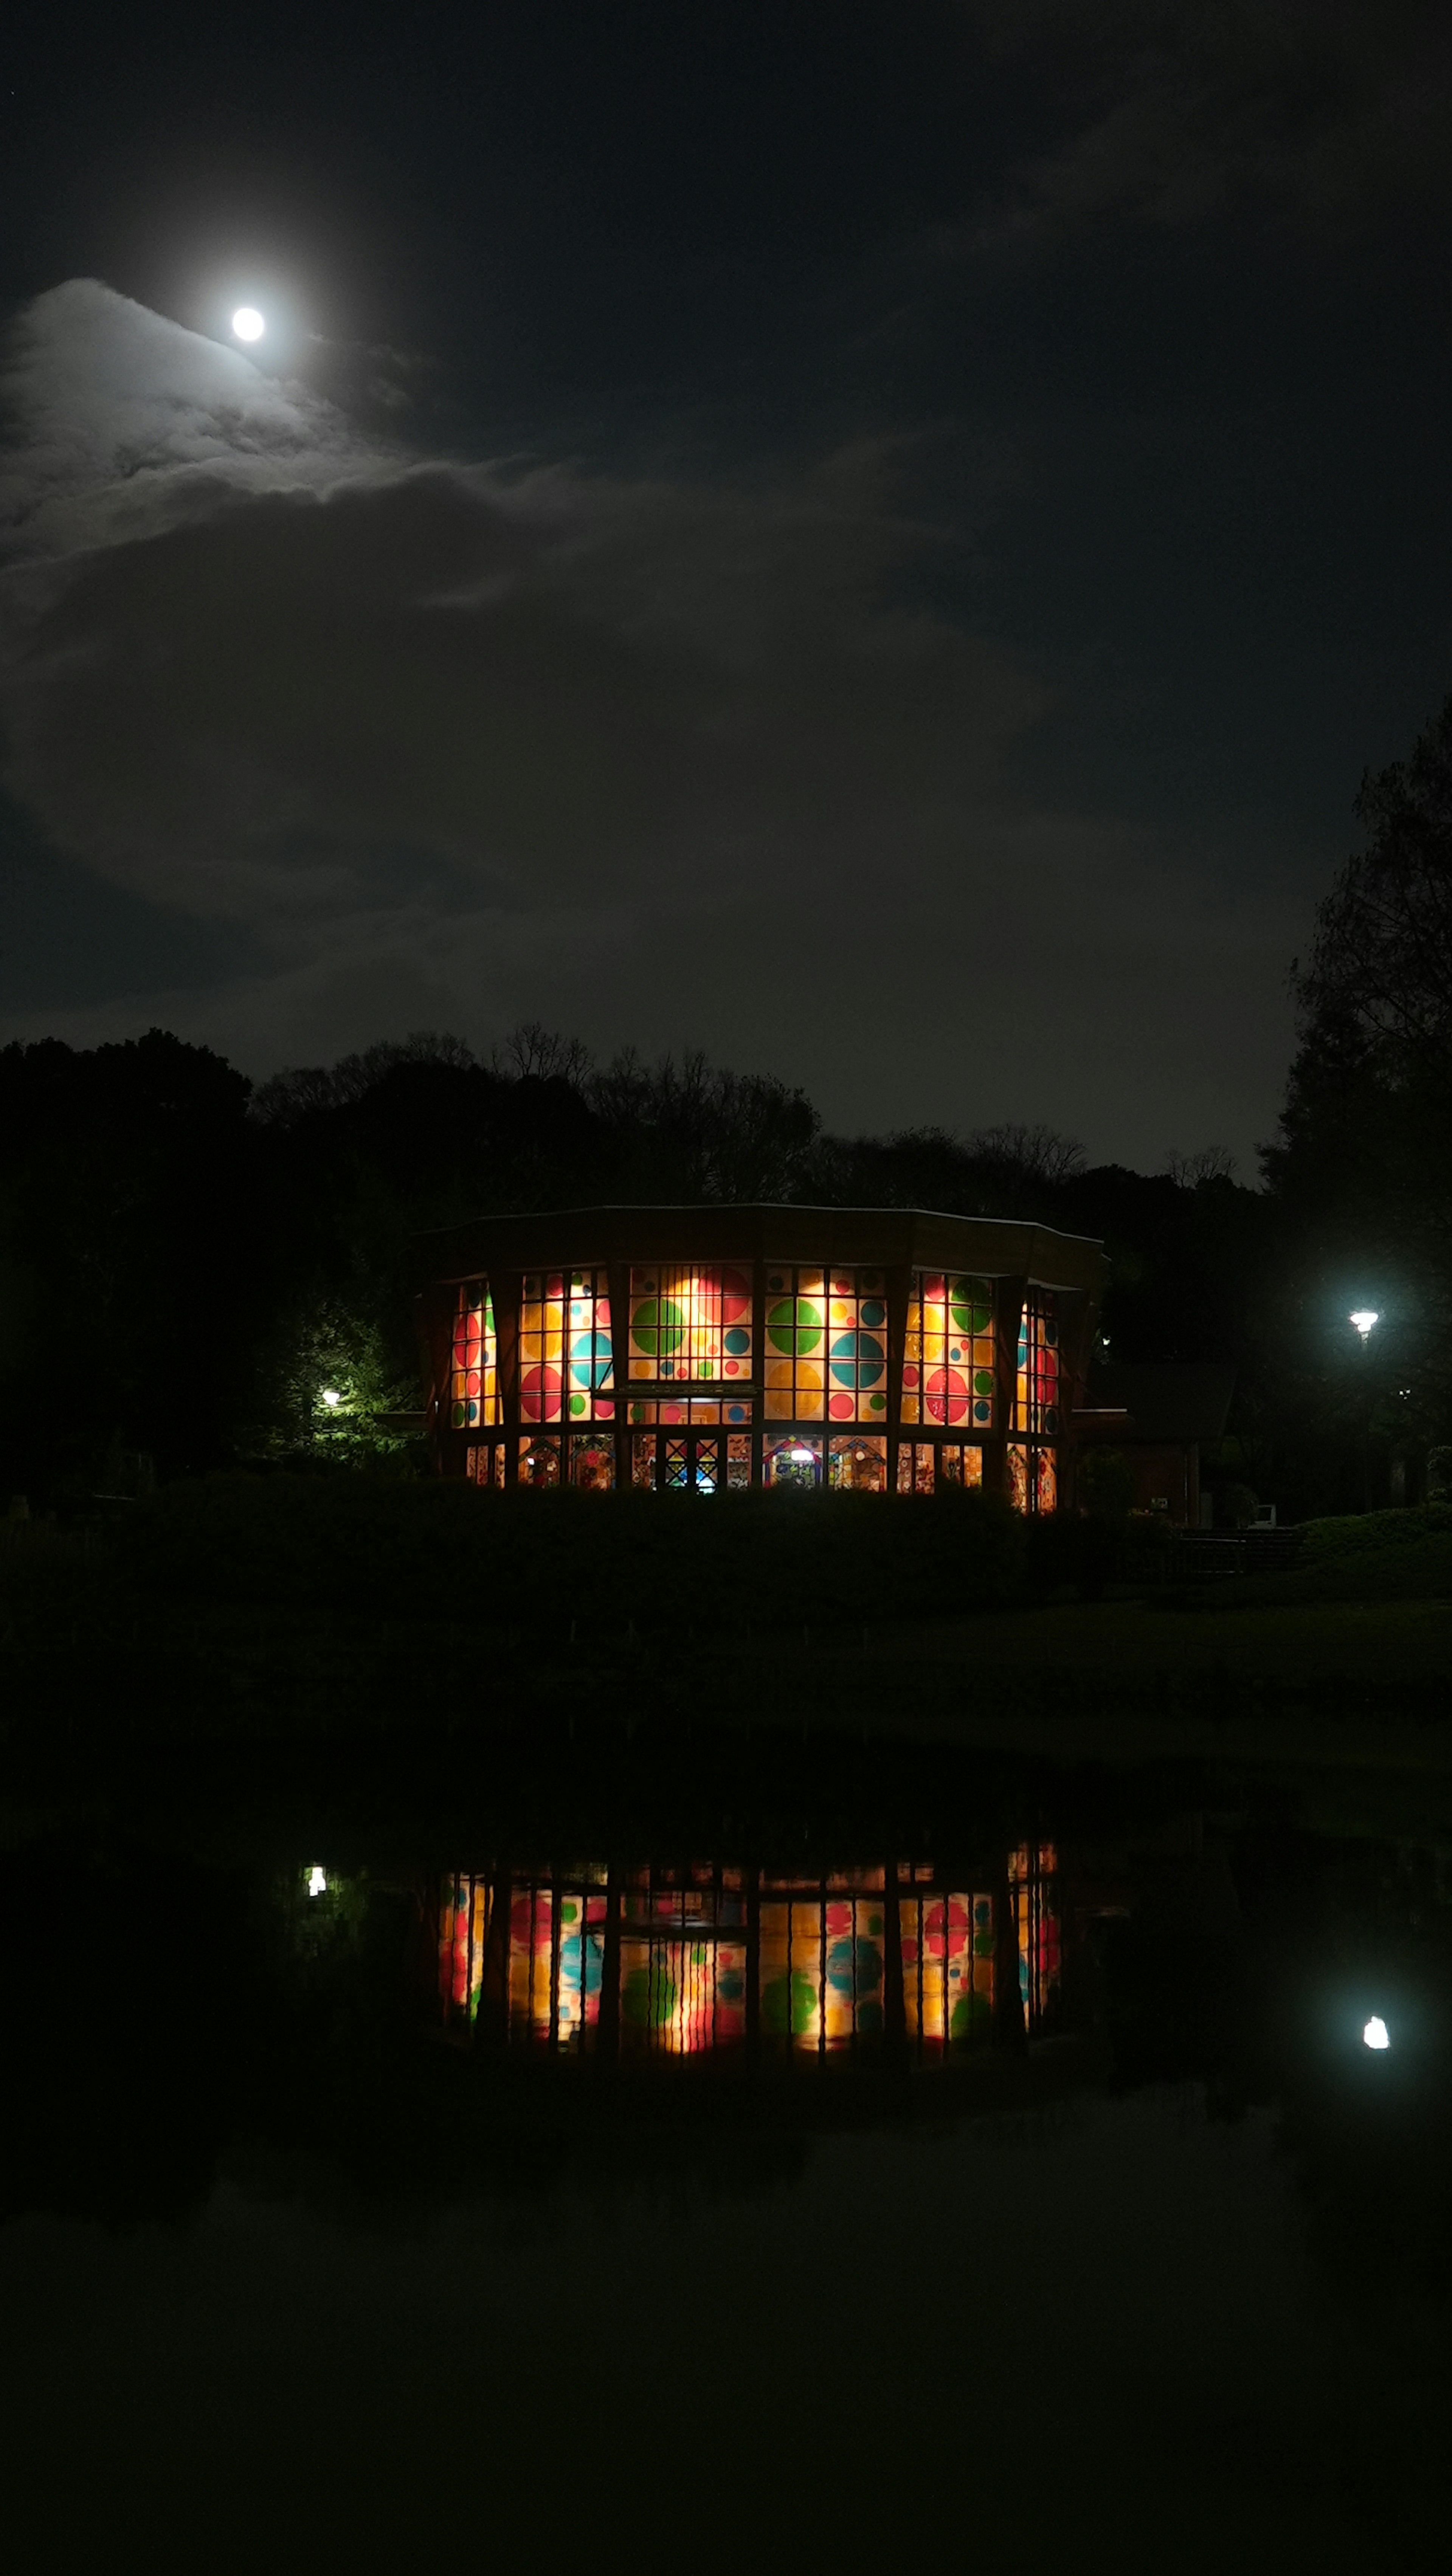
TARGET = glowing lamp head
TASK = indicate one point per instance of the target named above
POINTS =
(317, 1882)
(331, 1398)
(247, 322)
(1363, 1319)
(1376, 2034)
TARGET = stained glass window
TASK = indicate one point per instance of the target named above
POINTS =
(592, 1461)
(796, 1460)
(475, 1399)
(826, 1345)
(926, 1466)
(947, 1374)
(566, 1369)
(690, 1323)
(539, 1461)
(485, 1465)
(857, 1463)
(1036, 1403)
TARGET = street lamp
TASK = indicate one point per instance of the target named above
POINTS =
(1363, 1317)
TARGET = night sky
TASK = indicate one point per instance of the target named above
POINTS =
(875, 540)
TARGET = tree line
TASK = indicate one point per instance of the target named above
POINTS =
(188, 1260)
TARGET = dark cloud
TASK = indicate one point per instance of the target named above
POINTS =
(1324, 115)
(439, 741)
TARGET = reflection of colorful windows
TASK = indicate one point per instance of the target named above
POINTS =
(690, 1322)
(556, 1962)
(826, 1345)
(1033, 1891)
(947, 1966)
(797, 1460)
(566, 1370)
(475, 1403)
(857, 1463)
(463, 1924)
(1036, 1396)
(821, 1970)
(947, 1373)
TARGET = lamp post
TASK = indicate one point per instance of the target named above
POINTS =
(1364, 1317)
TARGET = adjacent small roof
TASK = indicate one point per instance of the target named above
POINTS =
(1159, 1400)
(990, 1247)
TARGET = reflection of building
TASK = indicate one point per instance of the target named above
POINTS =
(714, 1958)
(710, 1348)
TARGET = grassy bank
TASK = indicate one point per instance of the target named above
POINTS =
(249, 1615)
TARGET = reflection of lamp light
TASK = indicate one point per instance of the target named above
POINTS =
(807, 1457)
(1376, 2034)
(331, 1398)
(317, 1882)
(1363, 1319)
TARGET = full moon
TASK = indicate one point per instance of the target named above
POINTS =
(247, 323)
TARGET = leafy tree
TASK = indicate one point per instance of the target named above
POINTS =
(1361, 1165)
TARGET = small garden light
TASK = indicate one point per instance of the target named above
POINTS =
(1376, 2034)
(317, 1882)
(1363, 1319)
(332, 1399)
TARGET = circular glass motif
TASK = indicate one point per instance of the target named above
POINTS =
(735, 1299)
(794, 1325)
(589, 1359)
(458, 1417)
(947, 1395)
(658, 1327)
(736, 1341)
(858, 1359)
(539, 1394)
(972, 1305)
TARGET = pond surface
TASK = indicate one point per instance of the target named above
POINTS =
(1028, 2194)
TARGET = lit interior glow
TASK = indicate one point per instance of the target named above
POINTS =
(1363, 1319)
(247, 322)
(1376, 2034)
(317, 1882)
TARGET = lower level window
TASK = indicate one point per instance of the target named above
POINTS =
(857, 1464)
(539, 1462)
(795, 1460)
(592, 1462)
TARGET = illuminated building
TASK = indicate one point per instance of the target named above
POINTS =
(710, 1349)
(714, 1961)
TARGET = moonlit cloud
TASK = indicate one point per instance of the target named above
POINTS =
(445, 742)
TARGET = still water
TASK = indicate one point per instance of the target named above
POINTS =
(1027, 2195)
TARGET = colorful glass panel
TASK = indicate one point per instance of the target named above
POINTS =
(592, 1461)
(796, 1460)
(463, 1924)
(484, 1465)
(474, 1395)
(948, 1357)
(1036, 1396)
(857, 1463)
(826, 1345)
(566, 1363)
(539, 1461)
(689, 1323)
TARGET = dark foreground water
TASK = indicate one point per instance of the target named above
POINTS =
(999, 2180)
